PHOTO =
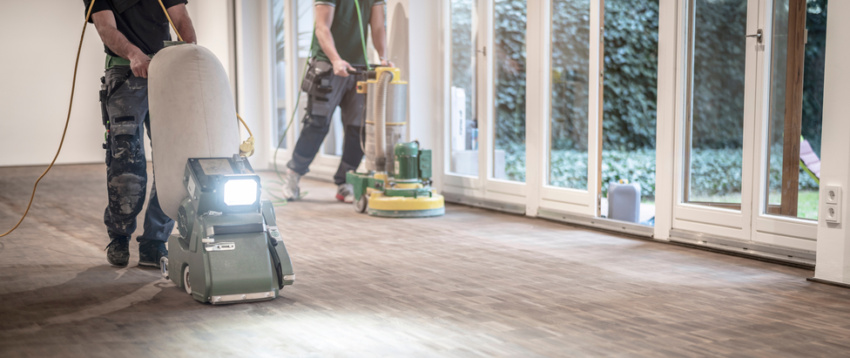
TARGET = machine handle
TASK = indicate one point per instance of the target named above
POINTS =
(361, 70)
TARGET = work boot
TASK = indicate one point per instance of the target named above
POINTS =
(118, 251)
(290, 188)
(151, 251)
(345, 193)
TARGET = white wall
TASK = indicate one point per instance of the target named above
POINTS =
(213, 21)
(36, 71)
(833, 245)
(35, 84)
(253, 70)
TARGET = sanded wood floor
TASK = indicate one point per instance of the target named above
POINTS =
(471, 283)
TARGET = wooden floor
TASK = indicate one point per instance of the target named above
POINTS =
(471, 283)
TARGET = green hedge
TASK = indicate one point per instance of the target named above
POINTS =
(714, 171)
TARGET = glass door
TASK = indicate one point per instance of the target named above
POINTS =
(463, 95)
(789, 124)
(629, 115)
(509, 56)
(507, 87)
(485, 129)
(600, 130)
(571, 131)
(723, 48)
(795, 111)
(280, 71)
(754, 85)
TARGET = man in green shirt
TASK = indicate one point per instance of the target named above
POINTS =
(337, 48)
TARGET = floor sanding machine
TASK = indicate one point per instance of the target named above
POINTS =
(228, 248)
(398, 179)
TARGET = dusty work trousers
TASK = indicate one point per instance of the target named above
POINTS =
(124, 102)
(322, 101)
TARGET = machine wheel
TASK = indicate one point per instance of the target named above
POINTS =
(163, 266)
(186, 284)
(361, 204)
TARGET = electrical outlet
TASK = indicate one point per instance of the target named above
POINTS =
(832, 194)
(833, 213)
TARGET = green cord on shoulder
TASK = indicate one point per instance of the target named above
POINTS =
(362, 34)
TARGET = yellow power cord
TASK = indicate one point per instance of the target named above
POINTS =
(67, 121)
(164, 10)
(246, 149)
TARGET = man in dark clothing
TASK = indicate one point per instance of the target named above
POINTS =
(132, 32)
(337, 45)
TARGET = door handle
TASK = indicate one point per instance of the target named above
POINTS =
(757, 35)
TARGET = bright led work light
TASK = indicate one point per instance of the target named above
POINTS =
(225, 185)
(240, 192)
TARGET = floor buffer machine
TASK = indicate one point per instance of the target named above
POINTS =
(397, 183)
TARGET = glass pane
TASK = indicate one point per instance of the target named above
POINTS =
(333, 141)
(714, 155)
(280, 71)
(570, 75)
(305, 28)
(463, 133)
(509, 52)
(629, 110)
(304, 37)
(802, 201)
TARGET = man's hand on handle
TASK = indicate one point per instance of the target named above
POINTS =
(139, 64)
(341, 68)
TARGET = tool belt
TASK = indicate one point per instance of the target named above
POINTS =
(112, 61)
(317, 80)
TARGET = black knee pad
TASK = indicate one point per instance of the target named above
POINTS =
(126, 195)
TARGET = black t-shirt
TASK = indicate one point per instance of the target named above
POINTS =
(141, 21)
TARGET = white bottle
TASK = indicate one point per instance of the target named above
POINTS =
(624, 201)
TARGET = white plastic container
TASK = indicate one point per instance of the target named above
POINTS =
(624, 201)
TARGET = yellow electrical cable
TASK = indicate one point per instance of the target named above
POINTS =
(67, 121)
(244, 124)
(249, 141)
(169, 20)
(246, 149)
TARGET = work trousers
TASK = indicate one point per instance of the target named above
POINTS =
(324, 96)
(124, 103)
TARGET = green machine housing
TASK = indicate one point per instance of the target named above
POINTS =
(412, 163)
(411, 180)
(229, 248)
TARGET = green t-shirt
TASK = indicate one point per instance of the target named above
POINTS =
(344, 29)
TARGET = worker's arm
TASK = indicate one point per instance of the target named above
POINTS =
(104, 21)
(324, 19)
(183, 23)
(379, 34)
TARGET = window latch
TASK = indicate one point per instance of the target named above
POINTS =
(757, 35)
